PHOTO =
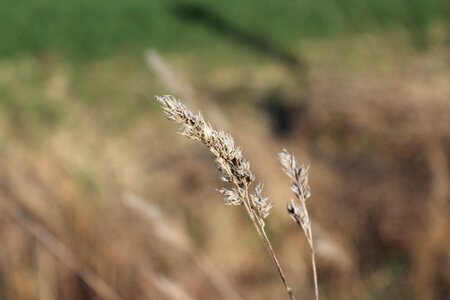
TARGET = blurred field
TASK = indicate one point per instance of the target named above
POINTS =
(101, 199)
(84, 30)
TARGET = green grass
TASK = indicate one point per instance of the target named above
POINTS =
(82, 30)
(112, 35)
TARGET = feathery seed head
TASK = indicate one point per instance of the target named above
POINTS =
(297, 174)
(299, 185)
(231, 197)
(228, 157)
(298, 213)
(261, 204)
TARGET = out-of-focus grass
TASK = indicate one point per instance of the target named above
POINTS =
(91, 29)
(23, 105)
(40, 95)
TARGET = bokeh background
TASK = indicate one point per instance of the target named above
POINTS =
(101, 199)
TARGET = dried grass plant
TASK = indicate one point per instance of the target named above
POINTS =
(297, 209)
(233, 166)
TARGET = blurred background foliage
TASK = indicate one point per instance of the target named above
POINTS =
(101, 199)
(92, 29)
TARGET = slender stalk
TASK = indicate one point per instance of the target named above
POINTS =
(269, 248)
(262, 234)
(60, 251)
(313, 262)
(297, 209)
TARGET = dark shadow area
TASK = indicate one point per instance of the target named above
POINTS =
(215, 22)
(280, 114)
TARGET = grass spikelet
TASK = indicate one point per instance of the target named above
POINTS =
(297, 209)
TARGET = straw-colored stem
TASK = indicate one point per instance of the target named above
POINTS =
(308, 233)
(267, 244)
(311, 246)
(313, 262)
(275, 260)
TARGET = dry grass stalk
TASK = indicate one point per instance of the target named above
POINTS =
(166, 286)
(297, 209)
(173, 81)
(168, 233)
(181, 86)
(60, 251)
(47, 276)
(436, 224)
(233, 166)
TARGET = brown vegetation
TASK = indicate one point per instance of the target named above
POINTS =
(378, 143)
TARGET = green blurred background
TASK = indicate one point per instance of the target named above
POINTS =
(94, 29)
